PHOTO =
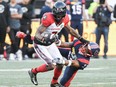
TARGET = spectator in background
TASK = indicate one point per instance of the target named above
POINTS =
(28, 12)
(46, 8)
(4, 25)
(103, 21)
(15, 16)
(93, 5)
(77, 10)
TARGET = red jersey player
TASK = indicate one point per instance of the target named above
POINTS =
(44, 41)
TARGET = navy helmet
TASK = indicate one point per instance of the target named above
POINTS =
(93, 48)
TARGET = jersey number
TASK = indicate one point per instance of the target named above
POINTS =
(76, 9)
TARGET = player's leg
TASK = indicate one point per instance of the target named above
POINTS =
(68, 75)
(43, 53)
(55, 53)
(71, 71)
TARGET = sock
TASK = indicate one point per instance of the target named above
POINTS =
(42, 68)
(57, 73)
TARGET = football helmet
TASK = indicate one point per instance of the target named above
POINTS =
(93, 49)
(59, 10)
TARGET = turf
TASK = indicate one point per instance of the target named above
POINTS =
(100, 73)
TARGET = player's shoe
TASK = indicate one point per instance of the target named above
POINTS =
(55, 85)
(33, 77)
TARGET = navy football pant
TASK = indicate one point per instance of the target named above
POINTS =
(69, 74)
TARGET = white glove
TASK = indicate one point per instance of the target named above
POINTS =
(58, 61)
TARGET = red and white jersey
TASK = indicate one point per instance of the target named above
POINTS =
(52, 27)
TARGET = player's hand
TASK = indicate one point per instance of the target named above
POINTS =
(83, 40)
(49, 39)
(58, 61)
(20, 34)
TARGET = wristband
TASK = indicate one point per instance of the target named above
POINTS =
(63, 62)
(69, 63)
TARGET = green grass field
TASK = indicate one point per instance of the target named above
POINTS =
(100, 73)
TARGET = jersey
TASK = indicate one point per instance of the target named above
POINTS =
(75, 51)
(76, 11)
(80, 57)
(52, 27)
(71, 71)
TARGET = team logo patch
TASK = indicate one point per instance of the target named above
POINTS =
(2, 8)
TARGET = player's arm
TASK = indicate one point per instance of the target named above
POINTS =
(75, 34)
(66, 44)
(40, 30)
(74, 63)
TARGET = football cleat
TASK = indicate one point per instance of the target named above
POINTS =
(55, 85)
(33, 77)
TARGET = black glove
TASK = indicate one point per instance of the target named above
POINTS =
(83, 40)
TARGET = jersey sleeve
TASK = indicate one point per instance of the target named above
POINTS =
(47, 20)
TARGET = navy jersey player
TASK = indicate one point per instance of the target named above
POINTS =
(82, 52)
(77, 10)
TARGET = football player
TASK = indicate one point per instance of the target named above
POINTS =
(79, 59)
(77, 11)
(45, 38)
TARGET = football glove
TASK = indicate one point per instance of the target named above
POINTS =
(83, 40)
(58, 61)
(48, 40)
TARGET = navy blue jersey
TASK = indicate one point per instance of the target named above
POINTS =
(75, 50)
(71, 71)
(76, 11)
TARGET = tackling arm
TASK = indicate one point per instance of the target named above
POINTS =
(75, 34)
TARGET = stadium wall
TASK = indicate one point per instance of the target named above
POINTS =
(89, 35)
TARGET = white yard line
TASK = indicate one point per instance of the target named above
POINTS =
(14, 70)
(26, 69)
